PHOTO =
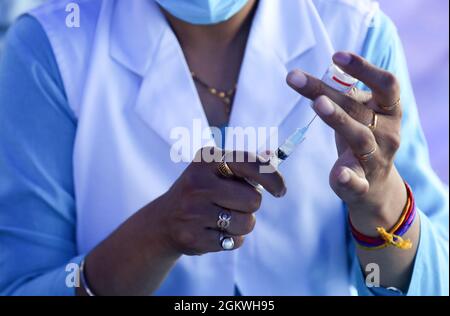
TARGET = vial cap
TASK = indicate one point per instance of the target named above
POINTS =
(339, 80)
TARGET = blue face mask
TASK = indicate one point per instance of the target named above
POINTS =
(203, 12)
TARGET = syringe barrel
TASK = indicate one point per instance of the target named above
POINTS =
(336, 78)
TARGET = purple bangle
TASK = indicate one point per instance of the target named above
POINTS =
(403, 229)
(407, 223)
(369, 245)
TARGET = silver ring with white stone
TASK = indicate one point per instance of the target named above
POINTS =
(227, 243)
(224, 220)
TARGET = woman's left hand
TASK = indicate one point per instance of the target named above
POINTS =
(367, 126)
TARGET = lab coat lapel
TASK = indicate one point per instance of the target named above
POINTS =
(167, 101)
(277, 43)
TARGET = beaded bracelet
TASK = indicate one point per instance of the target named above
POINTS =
(393, 236)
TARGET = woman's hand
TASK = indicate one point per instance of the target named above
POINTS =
(367, 127)
(137, 256)
(201, 194)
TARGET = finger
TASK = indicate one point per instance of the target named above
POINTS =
(348, 184)
(384, 85)
(236, 195)
(208, 155)
(241, 224)
(385, 128)
(359, 137)
(312, 88)
(360, 96)
(246, 165)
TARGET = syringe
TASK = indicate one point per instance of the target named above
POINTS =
(335, 78)
(288, 147)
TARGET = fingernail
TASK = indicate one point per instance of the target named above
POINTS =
(344, 177)
(342, 58)
(281, 193)
(324, 106)
(297, 79)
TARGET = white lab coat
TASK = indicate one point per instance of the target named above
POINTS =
(128, 84)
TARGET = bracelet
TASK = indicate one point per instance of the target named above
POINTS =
(393, 236)
(379, 243)
(84, 282)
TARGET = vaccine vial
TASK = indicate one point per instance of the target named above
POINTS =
(336, 78)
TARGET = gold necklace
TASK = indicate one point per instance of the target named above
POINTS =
(224, 95)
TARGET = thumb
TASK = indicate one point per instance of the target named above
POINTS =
(348, 179)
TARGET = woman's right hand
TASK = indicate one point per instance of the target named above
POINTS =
(194, 202)
(138, 255)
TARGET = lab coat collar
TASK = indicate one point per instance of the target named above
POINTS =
(136, 30)
(276, 25)
(263, 98)
(134, 41)
(143, 42)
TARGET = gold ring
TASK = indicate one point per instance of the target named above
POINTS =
(366, 157)
(224, 170)
(392, 106)
(373, 125)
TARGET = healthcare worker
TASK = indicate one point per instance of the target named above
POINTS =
(88, 176)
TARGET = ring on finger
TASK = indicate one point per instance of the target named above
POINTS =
(227, 243)
(392, 106)
(224, 220)
(223, 169)
(367, 156)
(373, 125)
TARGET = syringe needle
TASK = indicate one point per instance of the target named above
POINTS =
(305, 129)
(310, 122)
